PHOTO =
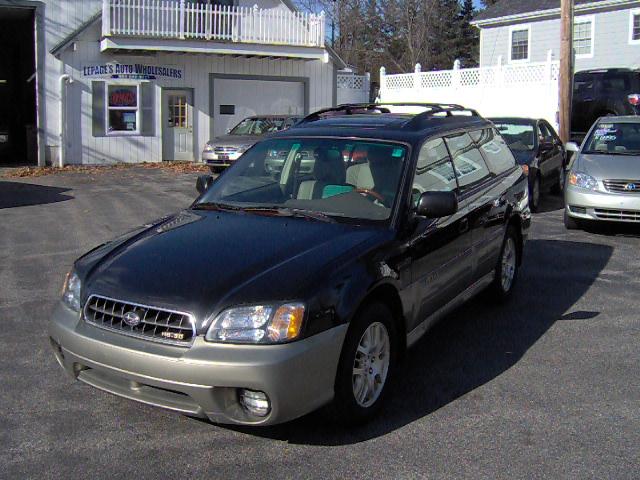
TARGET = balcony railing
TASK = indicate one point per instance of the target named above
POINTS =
(180, 19)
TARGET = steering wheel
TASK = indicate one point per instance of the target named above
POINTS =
(371, 193)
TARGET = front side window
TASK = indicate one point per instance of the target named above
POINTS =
(520, 44)
(311, 175)
(469, 165)
(122, 109)
(583, 37)
(434, 170)
(614, 138)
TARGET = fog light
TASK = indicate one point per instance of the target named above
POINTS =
(581, 210)
(256, 403)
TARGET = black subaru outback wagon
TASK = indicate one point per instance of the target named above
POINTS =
(277, 293)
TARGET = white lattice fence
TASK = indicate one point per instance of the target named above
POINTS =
(523, 90)
(352, 88)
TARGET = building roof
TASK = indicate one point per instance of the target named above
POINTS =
(76, 33)
(507, 9)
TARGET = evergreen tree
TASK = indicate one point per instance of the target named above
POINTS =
(469, 38)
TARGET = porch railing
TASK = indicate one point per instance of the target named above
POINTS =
(181, 19)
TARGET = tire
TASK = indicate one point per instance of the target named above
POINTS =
(571, 223)
(558, 188)
(349, 406)
(502, 286)
(535, 194)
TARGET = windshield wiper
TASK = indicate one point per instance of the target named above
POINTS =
(216, 206)
(291, 212)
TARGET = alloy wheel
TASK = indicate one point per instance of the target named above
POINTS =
(371, 364)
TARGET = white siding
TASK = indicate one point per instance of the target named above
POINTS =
(611, 46)
(84, 148)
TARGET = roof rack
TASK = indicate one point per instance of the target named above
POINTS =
(380, 108)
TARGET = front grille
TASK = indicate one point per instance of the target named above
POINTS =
(159, 325)
(225, 149)
(622, 186)
(623, 215)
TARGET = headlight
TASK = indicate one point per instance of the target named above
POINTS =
(71, 291)
(582, 180)
(263, 324)
(244, 148)
(208, 147)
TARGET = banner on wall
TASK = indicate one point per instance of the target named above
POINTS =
(132, 71)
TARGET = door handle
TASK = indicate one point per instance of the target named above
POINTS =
(463, 226)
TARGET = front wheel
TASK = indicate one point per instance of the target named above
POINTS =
(366, 367)
(506, 272)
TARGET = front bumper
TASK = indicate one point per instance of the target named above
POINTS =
(215, 160)
(601, 206)
(202, 380)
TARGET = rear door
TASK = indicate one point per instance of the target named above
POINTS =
(501, 163)
(477, 193)
(440, 248)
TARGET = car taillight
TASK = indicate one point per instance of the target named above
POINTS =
(634, 99)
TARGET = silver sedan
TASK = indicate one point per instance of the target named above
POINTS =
(603, 182)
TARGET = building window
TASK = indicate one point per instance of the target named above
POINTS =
(123, 109)
(583, 36)
(634, 26)
(520, 44)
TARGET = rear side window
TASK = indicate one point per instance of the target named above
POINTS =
(616, 83)
(469, 164)
(434, 171)
(495, 151)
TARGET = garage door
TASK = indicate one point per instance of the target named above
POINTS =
(235, 99)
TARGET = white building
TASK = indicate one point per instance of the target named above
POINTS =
(152, 80)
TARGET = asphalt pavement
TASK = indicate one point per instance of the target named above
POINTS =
(546, 386)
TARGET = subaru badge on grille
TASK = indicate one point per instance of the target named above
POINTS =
(131, 318)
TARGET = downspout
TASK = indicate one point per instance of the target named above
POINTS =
(65, 79)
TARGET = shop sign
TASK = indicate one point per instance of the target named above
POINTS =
(134, 71)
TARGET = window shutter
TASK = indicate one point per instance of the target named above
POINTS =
(148, 94)
(98, 109)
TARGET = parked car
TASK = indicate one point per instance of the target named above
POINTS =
(603, 183)
(539, 150)
(318, 282)
(603, 92)
(222, 151)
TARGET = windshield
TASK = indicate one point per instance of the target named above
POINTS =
(257, 126)
(519, 136)
(612, 138)
(338, 178)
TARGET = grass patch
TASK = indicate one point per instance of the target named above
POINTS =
(173, 167)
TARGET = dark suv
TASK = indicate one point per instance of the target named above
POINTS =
(598, 93)
(272, 296)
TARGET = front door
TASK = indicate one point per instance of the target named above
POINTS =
(177, 125)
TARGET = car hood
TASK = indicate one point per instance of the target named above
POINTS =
(203, 261)
(234, 140)
(524, 157)
(610, 166)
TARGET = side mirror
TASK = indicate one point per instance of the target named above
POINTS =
(437, 204)
(203, 183)
(572, 147)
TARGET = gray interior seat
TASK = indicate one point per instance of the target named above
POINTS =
(328, 169)
(359, 175)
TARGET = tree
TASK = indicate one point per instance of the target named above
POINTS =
(467, 46)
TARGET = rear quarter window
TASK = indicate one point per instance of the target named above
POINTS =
(495, 151)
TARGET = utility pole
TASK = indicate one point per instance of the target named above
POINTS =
(566, 68)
